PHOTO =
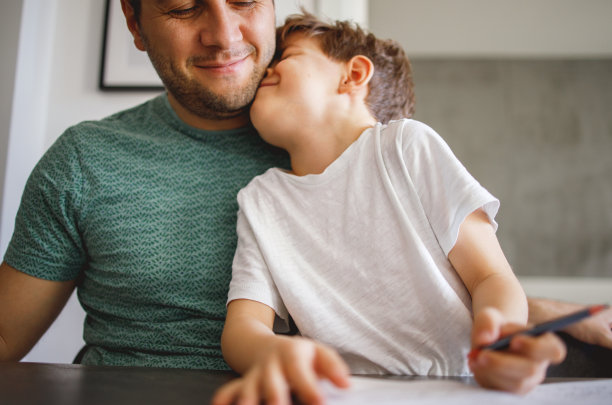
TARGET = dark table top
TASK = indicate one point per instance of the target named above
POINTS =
(71, 384)
(67, 384)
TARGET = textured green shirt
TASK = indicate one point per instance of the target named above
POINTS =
(141, 209)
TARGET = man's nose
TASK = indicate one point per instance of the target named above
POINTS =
(221, 26)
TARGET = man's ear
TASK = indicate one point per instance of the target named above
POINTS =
(132, 24)
(359, 71)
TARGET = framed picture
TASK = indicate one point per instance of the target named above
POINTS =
(123, 67)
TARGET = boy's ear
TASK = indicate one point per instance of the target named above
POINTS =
(359, 71)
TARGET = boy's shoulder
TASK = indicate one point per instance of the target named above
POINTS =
(408, 130)
(408, 124)
(265, 181)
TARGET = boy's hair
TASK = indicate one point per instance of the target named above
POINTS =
(391, 93)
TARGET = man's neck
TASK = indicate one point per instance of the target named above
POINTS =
(208, 124)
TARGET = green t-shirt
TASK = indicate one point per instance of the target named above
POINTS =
(141, 209)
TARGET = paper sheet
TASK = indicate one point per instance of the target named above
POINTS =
(378, 391)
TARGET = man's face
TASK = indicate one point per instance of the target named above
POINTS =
(210, 54)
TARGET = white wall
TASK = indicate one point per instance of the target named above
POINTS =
(491, 28)
(9, 39)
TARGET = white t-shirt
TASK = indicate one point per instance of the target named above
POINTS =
(358, 254)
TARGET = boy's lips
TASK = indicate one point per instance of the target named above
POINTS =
(267, 84)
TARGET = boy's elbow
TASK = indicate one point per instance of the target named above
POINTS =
(227, 346)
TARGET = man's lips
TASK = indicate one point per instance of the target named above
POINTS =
(218, 65)
(221, 66)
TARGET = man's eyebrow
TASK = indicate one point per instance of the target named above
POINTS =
(162, 2)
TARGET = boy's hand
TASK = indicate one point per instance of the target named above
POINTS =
(294, 365)
(522, 366)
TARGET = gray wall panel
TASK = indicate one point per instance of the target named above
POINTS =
(538, 135)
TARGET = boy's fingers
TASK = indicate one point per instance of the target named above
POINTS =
(329, 364)
(486, 327)
(226, 394)
(303, 379)
(275, 387)
(508, 372)
(250, 390)
(547, 347)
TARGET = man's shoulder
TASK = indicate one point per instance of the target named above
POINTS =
(133, 117)
(139, 122)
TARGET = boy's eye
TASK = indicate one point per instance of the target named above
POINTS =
(286, 55)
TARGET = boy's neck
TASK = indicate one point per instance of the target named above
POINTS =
(320, 146)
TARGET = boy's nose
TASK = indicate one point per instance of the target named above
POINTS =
(269, 71)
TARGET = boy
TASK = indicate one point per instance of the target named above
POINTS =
(373, 243)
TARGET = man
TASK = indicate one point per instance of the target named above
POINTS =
(138, 211)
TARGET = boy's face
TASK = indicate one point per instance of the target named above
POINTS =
(297, 90)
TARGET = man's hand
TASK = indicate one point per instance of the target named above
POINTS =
(522, 366)
(595, 330)
(293, 366)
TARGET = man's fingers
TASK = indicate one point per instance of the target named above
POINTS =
(594, 330)
(605, 338)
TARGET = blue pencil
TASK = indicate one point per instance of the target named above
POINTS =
(550, 326)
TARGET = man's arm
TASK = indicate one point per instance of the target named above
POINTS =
(28, 306)
(595, 330)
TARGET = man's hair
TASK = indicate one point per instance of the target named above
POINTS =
(136, 6)
(391, 93)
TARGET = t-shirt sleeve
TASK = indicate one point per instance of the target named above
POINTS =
(46, 242)
(447, 191)
(251, 278)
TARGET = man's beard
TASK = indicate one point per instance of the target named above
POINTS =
(198, 99)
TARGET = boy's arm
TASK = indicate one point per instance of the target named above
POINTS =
(273, 366)
(499, 307)
(481, 264)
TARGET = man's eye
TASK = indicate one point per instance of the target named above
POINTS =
(244, 4)
(183, 12)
